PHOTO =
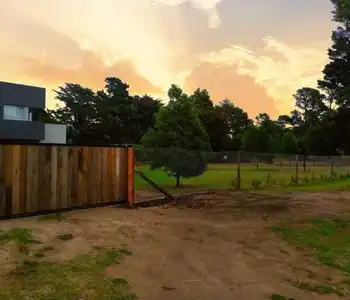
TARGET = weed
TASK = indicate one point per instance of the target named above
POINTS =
(52, 217)
(65, 236)
(256, 184)
(20, 236)
(80, 278)
(320, 289)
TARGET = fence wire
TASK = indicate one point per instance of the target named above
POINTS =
(182, 171)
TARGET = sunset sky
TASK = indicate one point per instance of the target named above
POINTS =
(255, 53)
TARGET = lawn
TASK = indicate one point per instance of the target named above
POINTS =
(328, 240)
(223, 176)
(36, 277)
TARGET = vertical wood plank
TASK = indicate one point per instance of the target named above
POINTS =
(83, 170)
(32, 179)
(91, 176)
(110, 167)
(44, 178)
(104, 176)
(53, 180)
(16, 180)
(8, 179)
(62, 177)
(73, 176)
(23, 176)
(123, 174)
(2, 182)
(116, 178)
(98, 175)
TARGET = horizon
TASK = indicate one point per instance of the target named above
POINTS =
(256, 55)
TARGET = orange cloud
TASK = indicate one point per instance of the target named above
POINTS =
(90, 72)
(224, 82)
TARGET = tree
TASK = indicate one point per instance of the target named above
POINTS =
(289, 143)
(212, 120)
(310, 103)
(256, 140)
(177, 142)
(78, 112)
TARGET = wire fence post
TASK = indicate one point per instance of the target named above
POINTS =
(238, 180)
(332, 166)
(296, 169)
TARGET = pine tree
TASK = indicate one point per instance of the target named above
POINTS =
(178, 142)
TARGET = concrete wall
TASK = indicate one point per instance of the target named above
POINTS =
(55, 134)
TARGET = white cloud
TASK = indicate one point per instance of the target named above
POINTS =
(208, 6)
(300, 66)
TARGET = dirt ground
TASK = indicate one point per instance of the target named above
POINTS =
(209, 247)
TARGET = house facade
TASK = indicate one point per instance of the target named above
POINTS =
(20, 107)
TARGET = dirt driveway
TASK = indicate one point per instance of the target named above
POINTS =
(210, 247)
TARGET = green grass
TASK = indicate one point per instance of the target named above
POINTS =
(329, 240)
(223, 176)
(80, 278)
(52, 217)
(19, 236)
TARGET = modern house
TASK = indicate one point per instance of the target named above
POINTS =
(20, 107)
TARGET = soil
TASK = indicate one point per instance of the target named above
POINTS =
(208, 247)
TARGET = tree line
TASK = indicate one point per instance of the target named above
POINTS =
(319, 124)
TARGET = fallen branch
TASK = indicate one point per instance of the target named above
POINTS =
(156, 186)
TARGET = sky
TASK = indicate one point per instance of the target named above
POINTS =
(256, 53)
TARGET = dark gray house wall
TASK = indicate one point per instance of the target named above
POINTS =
(23, 96)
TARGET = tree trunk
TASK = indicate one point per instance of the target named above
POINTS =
(304, 162)
(177, 179)
(257, 163)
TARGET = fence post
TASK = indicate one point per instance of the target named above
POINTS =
(131, 166)
(332, 166)
(296, 169)
(238, 170)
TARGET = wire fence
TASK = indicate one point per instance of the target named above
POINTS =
(185, 171)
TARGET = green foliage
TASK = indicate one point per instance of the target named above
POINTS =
(256, 140)
(289, 143)
(178, 142)
(18, 236)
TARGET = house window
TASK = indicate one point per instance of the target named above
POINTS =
(18, 113)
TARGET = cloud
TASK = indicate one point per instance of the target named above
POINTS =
(209, 6)
(90, 72)
(223, 82)
(299, 66)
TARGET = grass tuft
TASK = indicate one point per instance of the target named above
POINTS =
(52, 217)
(321, 289)
(329, 239)
(20, 236)
(80, 278)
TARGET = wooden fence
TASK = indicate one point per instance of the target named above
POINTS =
(43, 178)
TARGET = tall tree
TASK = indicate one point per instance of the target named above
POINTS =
(178, 142)
(212, 119)
(78, 111)
(289, 143)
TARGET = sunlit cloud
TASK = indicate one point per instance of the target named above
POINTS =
(209, 6)
(154, 43)
(300, 66)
